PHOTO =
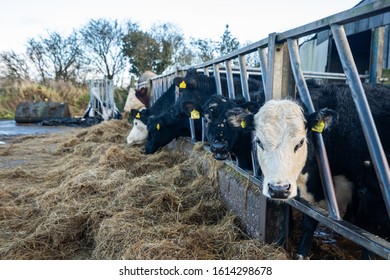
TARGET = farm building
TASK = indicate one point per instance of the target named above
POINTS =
(370, 46)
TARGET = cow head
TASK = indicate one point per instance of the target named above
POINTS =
(281, 134)
(163, 129)
(194, 88)
(221, 135)
(142, 95)
(132, 101)
(139, 132)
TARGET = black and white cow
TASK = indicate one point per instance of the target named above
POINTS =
(224, 139)
(286, 154)
(139, 131)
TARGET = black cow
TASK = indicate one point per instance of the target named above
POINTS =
(164, 128)
(162, 104)
(225, 139)
(371, 213)
(284, 133)
(196, 88)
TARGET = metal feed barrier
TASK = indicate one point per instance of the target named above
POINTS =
(281, 71)
(101, 99)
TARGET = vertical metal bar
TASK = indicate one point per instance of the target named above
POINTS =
(244, 77)
(206, 71)
(322, 158)
(370, 133)
(255, 162)
(192, 128)
(263, 66)
(217, 78)
(229, 78)
(203, 130)
(377, 50)
(270, 67)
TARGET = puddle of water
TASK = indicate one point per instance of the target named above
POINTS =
(9, 128)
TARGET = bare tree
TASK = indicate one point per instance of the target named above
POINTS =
(14, 66)
(64, 55)
(205, 49)
(102, 41)
(36, 53)
(55, 56)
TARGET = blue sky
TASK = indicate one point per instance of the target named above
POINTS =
(249, 20)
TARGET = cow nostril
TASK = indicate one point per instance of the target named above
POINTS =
(218, 145)
(279, 191)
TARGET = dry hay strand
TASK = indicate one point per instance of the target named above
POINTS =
(112, 131)
(59, 235)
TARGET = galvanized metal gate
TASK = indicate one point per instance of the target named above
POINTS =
(101, 99)
(281, 72)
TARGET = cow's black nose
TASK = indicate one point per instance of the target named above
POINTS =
(279, 191)
(218, 146)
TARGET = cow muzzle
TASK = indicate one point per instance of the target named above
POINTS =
(279, 191)
(220, 149)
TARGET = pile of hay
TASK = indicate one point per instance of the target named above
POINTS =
(88, 195)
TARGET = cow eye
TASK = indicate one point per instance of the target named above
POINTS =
(300, 144)
(258, 142)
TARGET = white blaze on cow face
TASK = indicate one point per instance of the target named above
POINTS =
(138, 133)
(280, 134)
(132, 102)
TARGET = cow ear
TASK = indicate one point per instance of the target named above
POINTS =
(250, 106)
(179, 82)
(191, 109)
(141, 115)
(135, 113)
(322, 120)
(240, 118)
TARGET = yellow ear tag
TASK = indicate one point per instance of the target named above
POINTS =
(182, 85)
(243, 124)
(195, 115)
(319, 127)
(158, 126)
(138, 116)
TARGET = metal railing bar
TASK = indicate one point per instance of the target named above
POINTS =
(351, 15)
(322, 157)
(370, 132)
(229, 77)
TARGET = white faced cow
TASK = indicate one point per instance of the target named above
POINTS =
(138, 133)
(286, 153)
(281, 135)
